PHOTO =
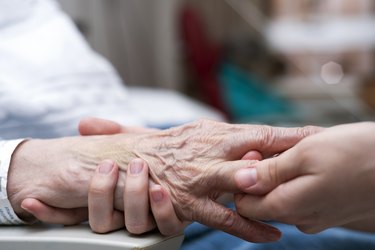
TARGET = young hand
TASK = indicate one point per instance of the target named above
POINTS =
(325, 180)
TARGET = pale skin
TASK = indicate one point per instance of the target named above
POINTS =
(103, 217)
(325, 180)
(192, 162)
(136, 217)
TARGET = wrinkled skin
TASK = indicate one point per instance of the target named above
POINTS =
(326, 180)
(195, 163)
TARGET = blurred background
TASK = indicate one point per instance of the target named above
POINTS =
(280, 62)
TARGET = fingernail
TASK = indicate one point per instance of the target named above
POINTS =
(246, 177)
(136, 166)
(24, 206)
(157, 195)
(274, 235)
(105, 167)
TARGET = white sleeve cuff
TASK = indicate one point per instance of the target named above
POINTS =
(7, 214)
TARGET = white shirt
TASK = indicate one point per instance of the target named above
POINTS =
(7, 215)
(49, 79)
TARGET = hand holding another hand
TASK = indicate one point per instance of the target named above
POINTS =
(325, 180)
(194, 163)
(103, 217)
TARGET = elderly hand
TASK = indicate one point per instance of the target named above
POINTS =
(194, 163)
(102, 215)
(325, 180)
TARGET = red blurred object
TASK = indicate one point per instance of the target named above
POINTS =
(203, 56)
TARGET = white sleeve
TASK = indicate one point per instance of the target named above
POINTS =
(7, 214)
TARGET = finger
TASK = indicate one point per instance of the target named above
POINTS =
(216, 216)
(221, 177)
(271, 140)
(102, 216)
(163, 211)
(263, 176)
(253, 155)
(53, 215)
(136, 201)
(253, 206)
(97, 126)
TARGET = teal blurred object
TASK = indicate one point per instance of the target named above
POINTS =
(247, 98)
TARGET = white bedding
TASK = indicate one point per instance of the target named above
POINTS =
(50, 78)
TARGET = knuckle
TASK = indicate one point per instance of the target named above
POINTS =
(195, 212)
(265, 136)
(204, 122)
(99, 191)
(228, 219)
(200, 122)
(307, 130)
(273, 175)
(186, 206)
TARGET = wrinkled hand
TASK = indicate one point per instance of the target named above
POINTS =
(136, 210)
(103, 217)
(61, 187)
(90, 126)
(162, 208)
(137, 204)
(194, 163)
(326, 180)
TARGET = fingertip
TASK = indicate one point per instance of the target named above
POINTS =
(27, 204)
(157, 193)
(136, 166)
(274, 234)
(162, 208)
(253, 155)
(84, 125)
(98, 126)
(106, 166)
(33, 206)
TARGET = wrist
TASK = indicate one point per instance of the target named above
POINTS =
(13, 191)
(47, 170)
(120, 148)
(58, 171)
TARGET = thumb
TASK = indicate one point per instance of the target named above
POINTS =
(263, 176)
(97, 126)
(53, 215)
